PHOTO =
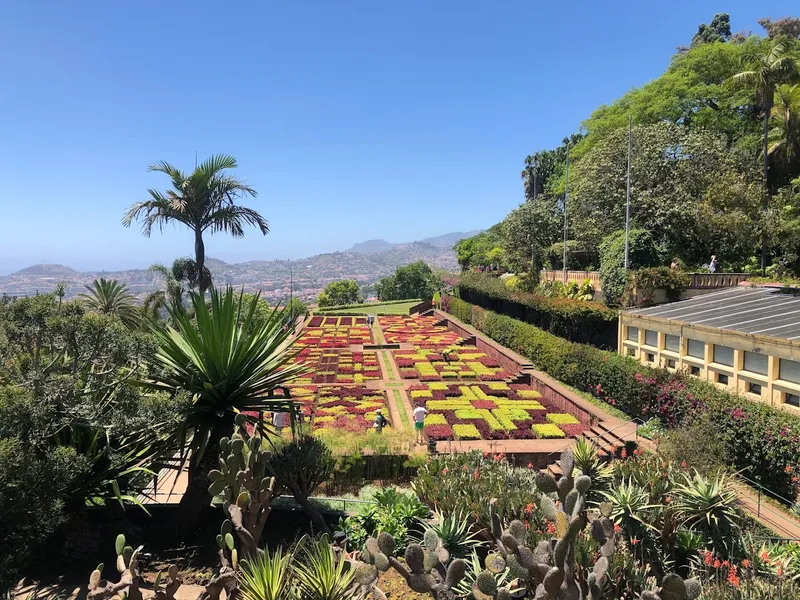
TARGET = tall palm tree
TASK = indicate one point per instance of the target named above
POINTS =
(227, 364)
(110, 297)
(204, 200)
(181, 275)
(60, 291)
(765, 69)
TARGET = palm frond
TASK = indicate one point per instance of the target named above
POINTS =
(233, 218)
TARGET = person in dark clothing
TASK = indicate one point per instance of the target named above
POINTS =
(380, 422)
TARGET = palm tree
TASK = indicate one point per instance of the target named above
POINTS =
(227, 365)
(767, 67)
(204, 200)
(60, 291)
(785, 135)
(182, 274)
(110, 297)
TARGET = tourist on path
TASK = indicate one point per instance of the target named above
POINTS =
(380, 421)
(419, 421)
(713, 266)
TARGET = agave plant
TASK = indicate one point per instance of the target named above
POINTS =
(110, 297)
(322, 575)
(227, 366)
(267, 576)
(709, 505)
(455, 531)
(588, 463)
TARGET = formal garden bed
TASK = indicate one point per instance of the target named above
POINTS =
(453, 363)
(422, 332)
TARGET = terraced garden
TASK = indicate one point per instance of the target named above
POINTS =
(468, 394)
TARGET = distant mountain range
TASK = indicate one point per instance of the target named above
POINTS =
(366, 262)
(448, 240)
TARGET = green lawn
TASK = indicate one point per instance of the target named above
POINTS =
(375, 308)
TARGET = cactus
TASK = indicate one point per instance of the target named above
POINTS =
(674, 588)
(130, 580)
(243, 482)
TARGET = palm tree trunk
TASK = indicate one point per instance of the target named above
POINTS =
(765, 199)
(196, 497)
(199, 259)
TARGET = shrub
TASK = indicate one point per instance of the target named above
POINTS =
(758, 438)
(644, 283)
(31, 501)
(575, 320)
(641, 253)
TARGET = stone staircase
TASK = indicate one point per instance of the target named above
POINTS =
(606, 437)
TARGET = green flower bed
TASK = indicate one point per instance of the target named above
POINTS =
(763, 441)
(562, 419)
(576, 320)
(547, 431)
(466, 432)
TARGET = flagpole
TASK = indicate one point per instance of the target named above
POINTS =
(566, 198)
(628, 194)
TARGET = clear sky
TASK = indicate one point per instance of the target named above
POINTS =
(353, 119)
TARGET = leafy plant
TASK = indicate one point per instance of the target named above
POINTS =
(320, 575)
(267, 576)
(456, 534)
(110, 297)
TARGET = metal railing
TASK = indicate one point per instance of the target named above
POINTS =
(765, 491)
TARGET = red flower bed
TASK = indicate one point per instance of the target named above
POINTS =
(439, 432)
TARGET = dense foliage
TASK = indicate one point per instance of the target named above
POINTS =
(415, 280)
(576, 320)
(704, 177)
(760, 439)
(344, 291)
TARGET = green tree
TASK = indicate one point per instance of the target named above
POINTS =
(527, 231)
(336, 293)
(784, 137)
(60, 291)
(110, 297)
(227, 367)
(415, 280)
(613, 277)
(765, 69)
(204, 201)
(719, 30)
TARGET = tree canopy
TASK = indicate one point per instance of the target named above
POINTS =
(336, 293)
(415, 280)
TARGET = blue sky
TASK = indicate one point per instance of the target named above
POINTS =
(353, 119)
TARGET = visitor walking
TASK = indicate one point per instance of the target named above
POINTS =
(713, 266)
(380, 421)
(279, 421)
(419, 421)
(675, 265)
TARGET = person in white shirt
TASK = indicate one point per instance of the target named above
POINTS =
(279, 421)
(419, 421)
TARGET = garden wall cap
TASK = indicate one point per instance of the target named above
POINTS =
(754, 311)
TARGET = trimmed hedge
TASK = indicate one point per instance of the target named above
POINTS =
(366, 304)
(762, 440)
(574, 320)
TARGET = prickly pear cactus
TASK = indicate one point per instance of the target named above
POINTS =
(675, 588)
(130, 580)
(243, 482)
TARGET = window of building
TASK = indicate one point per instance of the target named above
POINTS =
(696, 348)
(651, 338)
(756, 363)
(651, 357)
(671, 363)
(792, 400)
(723, 355)
(723, 379)
(632, 334)
(694, 370)
(631, 351)
(789, 370)
(754, 388)
(672, 343)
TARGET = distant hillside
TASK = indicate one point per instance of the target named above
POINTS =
(271, 277)
(448, 240)
(371, 247)
(47, 271)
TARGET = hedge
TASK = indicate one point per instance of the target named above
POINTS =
(574, 320)
(762, 440)
(366, 304)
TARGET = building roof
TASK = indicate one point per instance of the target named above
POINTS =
(754, 311)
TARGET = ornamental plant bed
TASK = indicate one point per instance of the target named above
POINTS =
(422, 332)
(338, 366)
(334, 336)
(350, 408)
(454, 363)
(497, 411)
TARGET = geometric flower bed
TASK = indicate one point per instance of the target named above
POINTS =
(454, 363)
(338, 366)
(334, 335)
(491, 411)
(322, 321)
(350, 408)
(420, 331)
